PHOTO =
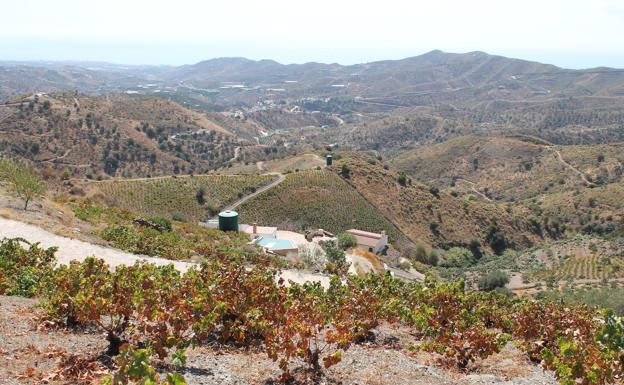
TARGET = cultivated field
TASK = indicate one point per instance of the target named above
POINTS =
(178, 196)
(315, 199)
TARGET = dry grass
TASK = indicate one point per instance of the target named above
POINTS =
(285, 165)
(413, 208)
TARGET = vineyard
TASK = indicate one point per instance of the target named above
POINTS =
(315, 199)
(156, 236)
(180, 197)
(151, 315)
(592, 267)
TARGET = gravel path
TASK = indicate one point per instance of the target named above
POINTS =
(72, 249)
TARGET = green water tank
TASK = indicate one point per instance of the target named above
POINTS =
(329, 159)
(228, 221)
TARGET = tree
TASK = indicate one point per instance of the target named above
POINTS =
(493, 280)
(345, 171)
(23, 180)
(496, 238)
(200, 195)
(346, 240)
(458, 257)
(402, 179)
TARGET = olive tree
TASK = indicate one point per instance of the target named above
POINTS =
(23, 181)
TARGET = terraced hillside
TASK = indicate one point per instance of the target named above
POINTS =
(189, 198)
(582, 257)
(316, 199)
(100, 137)
(508, 168)
(434, 217)
(284, 165)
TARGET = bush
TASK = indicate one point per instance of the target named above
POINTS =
(496, 238)
(493, 280)
(458, 257)
(345, 171)
(535, 225)
(200, 195)
(24, 270)
(434, 191)
(312, 257)
(433, 258)
(402, 179)
(420, 254)
(336, 260)
(162, 221)
(346, 240)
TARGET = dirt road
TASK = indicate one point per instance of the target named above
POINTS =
(574, 169)
(280, 179)
(72, 249)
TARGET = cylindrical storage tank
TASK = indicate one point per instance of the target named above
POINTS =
(329, 159)
(228, 221)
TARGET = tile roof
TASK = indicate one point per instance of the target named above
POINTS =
(362, 233)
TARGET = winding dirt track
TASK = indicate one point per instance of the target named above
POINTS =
(574, 169)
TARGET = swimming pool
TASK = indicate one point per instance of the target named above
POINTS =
(276, 244)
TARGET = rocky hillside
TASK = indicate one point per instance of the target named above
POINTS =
(113, 136)
(575, 186)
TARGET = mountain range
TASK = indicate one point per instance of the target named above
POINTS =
(429, 78)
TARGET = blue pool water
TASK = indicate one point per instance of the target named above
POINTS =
(275, 244)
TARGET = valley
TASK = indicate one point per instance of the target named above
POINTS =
(460, 214)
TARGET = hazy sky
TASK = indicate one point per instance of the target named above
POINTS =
(569, 33)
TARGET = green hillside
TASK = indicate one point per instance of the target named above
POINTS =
(180, 196)
(315, 199)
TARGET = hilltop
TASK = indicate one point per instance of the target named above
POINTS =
(386, 105)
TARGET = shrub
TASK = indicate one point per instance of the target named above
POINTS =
(312, 257)
(200, 195)
(346, 240)
(24, 270)
(496, 238)
(336, 260)
(345, 171)
(402, 179)
(458, 257)
(433, 258)
(162, 221)
(535, 225)
(493, 280)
